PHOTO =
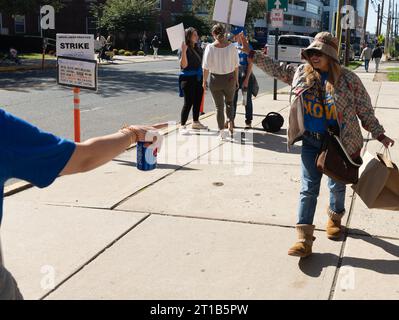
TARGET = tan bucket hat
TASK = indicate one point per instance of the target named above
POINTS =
(324, 42)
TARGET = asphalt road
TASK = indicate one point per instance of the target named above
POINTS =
(141, 93)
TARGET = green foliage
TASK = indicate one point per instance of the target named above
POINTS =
(126, 15)
(127, 54)
(115, 51)
(140, 53)
(191, 20)
(121, 52)
(381, 39)
(26, 6)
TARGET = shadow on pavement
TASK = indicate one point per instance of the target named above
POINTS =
(273, 142)
(111, 82)
(314, 265)
(159, 165)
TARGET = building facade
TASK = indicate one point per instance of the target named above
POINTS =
(76, 17)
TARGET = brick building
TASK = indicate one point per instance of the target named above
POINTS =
(75, 17)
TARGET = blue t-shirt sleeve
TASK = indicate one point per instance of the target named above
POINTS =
(31, 154)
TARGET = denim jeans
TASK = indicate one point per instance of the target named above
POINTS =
(310, 184)
(366, 64)
(249, 105)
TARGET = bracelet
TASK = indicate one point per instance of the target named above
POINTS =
(126, 130)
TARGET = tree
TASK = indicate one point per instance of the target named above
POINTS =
(191, 20)
(26, 6)
(256, 10)
(126, 16)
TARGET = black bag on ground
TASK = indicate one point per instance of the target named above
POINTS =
(273, 122)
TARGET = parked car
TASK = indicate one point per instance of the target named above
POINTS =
(290, 47)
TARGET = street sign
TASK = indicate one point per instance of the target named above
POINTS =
(77, 73)
(277, 4)
(277, 18)
(75, 45)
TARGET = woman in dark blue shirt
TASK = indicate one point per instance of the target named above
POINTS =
(30, 154)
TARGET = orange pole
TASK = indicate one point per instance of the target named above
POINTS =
(202, 103)
(76, 113)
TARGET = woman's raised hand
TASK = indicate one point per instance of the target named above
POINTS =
(245, 45)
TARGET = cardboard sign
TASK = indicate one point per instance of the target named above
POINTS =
(77, 73)
(75, 45)
(176, 36)
(237, 15)
(277, 18)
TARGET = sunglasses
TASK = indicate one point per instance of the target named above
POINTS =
(313, 52)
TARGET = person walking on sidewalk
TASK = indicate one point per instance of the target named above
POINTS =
(190, 79)
(324, 92)
(377, 54)
(155, 43)
(245, 79)
(366, 55)
(30, 154)
(221, 62)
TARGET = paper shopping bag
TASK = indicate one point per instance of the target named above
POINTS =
(378, 185)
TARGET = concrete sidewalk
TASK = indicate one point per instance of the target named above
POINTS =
(214, 221)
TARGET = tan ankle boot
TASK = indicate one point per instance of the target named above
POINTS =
(334, 228)
(303, 247)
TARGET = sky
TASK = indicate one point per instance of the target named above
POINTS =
(372, 16)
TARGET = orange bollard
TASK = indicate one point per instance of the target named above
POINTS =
(202, 103)
(76, 113)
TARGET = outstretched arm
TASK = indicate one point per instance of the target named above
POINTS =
(97, 151)
(273, 68)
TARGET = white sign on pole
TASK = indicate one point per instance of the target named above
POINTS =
(77, 73)
(237, 15)
(221, 11)
(75, 45)
(277, 18)
(176, 36)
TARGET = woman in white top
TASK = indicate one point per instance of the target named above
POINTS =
(221, 62)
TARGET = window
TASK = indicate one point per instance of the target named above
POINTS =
(312, 8)
(19, 24)
(187, 5)
(158, 4)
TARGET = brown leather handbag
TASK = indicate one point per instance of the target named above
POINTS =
(335, 162)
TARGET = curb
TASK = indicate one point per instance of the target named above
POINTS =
(22, 186)
(25, 68)
(16, 188)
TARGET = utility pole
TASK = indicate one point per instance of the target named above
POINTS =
(338, 26)
(378, 21)
(397, 22)
(365, 20)
(387, 34)
(381, 17)
(347, 35)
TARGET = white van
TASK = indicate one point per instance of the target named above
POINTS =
(289, 47)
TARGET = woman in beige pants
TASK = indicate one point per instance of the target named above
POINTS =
(221, 62)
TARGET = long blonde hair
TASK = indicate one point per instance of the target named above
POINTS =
(334, 73)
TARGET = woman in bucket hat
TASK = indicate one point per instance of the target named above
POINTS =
(325, 94)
